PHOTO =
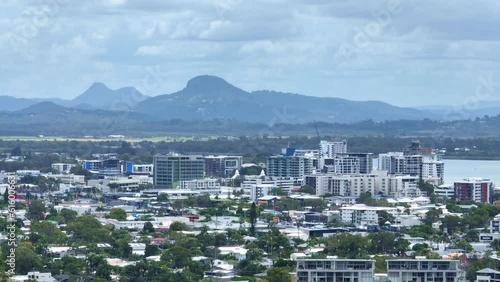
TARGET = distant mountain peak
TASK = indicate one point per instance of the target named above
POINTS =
(211, 97)
(100, 96)
(44, 106)
(207, 83)
(98, 86)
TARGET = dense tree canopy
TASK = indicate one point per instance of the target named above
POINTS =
(88, 230)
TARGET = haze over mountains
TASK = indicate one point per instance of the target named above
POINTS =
(209, 97)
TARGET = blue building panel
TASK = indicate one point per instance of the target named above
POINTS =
(130, 167)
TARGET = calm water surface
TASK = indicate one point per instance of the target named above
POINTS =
(455, 170)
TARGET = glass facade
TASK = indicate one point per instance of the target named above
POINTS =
(335, 270)
(423, 271)
(173, 168)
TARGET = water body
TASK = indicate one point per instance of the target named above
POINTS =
(455, 170)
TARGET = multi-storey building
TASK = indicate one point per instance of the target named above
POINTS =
(354, 184)
(172, 168)
(204, 186)
(334, 269)
(412, 165)
(341, 164)
(257, 188)
(392, 162)
(298, 152)
(139, 169)
(319, 182)
(260, 190)
(445, 191)
(424, 270)
(433, 168)
(104, 166)
(62, 167)
(127, 185)
(39, 276)
(363, 184)
(488, 275)
(365, 161)
(69, 178)
(328, 149)
(222, 166)
(428, 167)
(413, 149)
(400, 186)
(495, 224)
(476, 189)
(289, 166)
(348, 163)
(362, 215)
(92, 165)
(338, 186)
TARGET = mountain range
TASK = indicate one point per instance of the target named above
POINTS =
(98, 96)
(206, 98)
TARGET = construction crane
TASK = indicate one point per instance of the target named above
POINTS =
(317, 132)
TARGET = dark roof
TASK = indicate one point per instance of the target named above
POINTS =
(62, 277)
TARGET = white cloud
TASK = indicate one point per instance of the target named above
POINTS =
(151, 50)
(116, 2)
(283, 45)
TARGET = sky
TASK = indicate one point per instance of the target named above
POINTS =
(404, 52)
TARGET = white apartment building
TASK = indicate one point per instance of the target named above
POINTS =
(445, 191)
(62, 167)
(488, 275)
(319, 182)
(143, 169)
(260, 190)
(125, 184)
(363, 215)
(362, 184)
(429, 167)
(173, 194)
(34, 276)
(24, 172)
(334, 269)
(238, 252)
(353, 185)
(163, 222)
(400, 186)
(495, 224)
(306, 153)
(328, 149)
(337, 186)
(423, 270)
(433, 168)
(255, 187)
(204, 186)
(391, 162)
(341, 164)
(68, 178)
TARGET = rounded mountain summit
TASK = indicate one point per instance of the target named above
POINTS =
(209, 97)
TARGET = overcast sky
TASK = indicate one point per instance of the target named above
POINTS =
(407, 53)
